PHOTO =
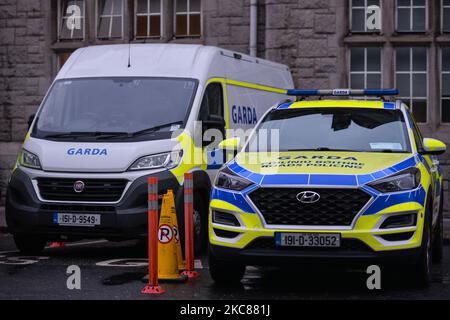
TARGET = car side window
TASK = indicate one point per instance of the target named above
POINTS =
(416, 132)
(212, 103)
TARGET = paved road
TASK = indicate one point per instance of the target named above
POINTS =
(45, 278)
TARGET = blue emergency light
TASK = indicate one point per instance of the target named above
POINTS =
(343, 92)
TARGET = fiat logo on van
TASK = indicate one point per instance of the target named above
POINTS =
(78, 186)
(308, 197)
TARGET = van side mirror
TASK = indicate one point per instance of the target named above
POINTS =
(433, 147)
(31, 119)
(231, 144)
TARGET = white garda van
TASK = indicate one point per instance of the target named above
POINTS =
(116, 115)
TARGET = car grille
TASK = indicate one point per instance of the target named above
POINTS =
(336, 207)
(95, 190)
(347, 245)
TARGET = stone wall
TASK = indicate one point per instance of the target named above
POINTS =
(307, 35)
(24, 74)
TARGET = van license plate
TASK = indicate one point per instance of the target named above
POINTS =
(79, 220)
(325, 240)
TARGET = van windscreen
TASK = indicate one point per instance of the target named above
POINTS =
(115, 109)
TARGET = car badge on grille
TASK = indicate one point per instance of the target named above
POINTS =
(78, 186)
(308, 197)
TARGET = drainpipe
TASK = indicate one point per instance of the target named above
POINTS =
(253, 27)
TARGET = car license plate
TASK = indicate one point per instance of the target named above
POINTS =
(326, 240)
(79, 220)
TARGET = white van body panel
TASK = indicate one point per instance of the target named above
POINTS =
(202, 63)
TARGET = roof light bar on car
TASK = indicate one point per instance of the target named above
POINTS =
(343, 92)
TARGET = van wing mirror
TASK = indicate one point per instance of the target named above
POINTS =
(231, 144)
(433, 147)
(31, 119)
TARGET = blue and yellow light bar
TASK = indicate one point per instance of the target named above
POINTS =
(343, 92)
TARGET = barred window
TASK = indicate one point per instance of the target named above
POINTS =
(110, 19)
(411, 69)
(365, 68)
(360, 12)
(71, 16)
(445, 85)
(148, 18)
(411, 15)
(445, 15)
(187, 18)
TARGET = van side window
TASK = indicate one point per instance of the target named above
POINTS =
(212, 104)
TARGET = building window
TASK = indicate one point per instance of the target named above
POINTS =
(446, 85)
(365, 68)
(411, 15)
(71, 15)
(445, 15)
(411, 78)
(363, 17)
(110, 19)
(187, 18)
(148, 18)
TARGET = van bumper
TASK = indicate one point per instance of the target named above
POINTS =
(26, 214)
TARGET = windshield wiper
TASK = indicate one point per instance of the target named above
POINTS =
(97, 135)
(155, 129)
(322, 149)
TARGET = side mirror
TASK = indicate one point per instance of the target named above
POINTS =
(433, 147)
(231, 144)
(31, 119)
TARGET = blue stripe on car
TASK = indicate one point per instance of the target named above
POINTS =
(234, 198)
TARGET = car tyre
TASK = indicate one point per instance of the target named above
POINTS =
(422, 273)
(438, 241)
(225, 272)
(30, 245)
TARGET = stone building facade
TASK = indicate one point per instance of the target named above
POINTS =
(327, 44)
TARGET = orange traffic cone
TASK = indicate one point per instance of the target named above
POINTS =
(167, 250)
(176, 230)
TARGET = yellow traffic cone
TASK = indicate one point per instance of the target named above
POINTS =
(176, 230)
(167, 251)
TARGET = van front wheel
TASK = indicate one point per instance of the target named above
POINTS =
(31, 245)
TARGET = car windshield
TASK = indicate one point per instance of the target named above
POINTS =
(331, 129)
(115, 108)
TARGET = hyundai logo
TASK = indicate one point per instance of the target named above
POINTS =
(78, 186)
(308, 197)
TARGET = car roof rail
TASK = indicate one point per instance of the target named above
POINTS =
(342, 92)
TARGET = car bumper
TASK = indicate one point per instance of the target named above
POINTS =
(27, 214)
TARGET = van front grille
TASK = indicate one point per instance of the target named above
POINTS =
(95, 190)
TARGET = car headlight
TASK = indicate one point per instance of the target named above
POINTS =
(227, 179)
(29, 160)
(408, 179)
(163, 160)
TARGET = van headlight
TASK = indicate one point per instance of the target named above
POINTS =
(29, 160)
(163, 160)
(227, 179)
(408, 179)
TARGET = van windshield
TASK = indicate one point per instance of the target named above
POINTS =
(332, 129)
(115, 109)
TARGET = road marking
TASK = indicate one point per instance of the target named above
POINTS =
(79, 244)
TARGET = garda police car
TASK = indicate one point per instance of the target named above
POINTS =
(329, 179)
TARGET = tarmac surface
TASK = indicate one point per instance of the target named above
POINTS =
(115, 271)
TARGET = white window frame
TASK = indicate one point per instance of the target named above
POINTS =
(148, 14)
(442, 16)
(188, 14)
(365, 11)
(411, 15)
(442, 85)
(410, 72)
(60, 18)
(99, 16)
(365, 72)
